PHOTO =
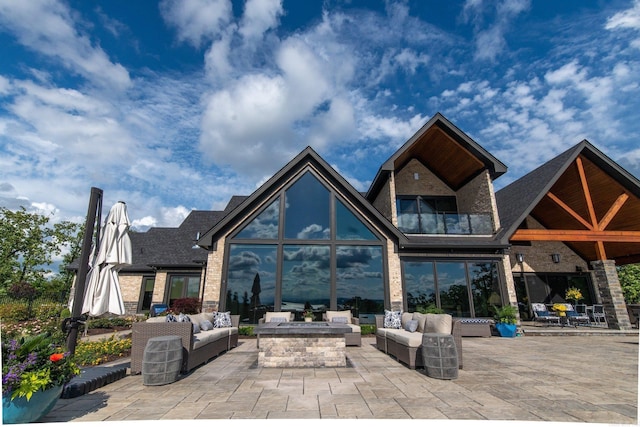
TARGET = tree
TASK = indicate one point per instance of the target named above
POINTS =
(28, 246)
(629, 276)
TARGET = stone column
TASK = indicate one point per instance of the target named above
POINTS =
(608, 286)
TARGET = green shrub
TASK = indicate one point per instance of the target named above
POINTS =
(14, 311)
(47, 310)
(431, 308)
(367, 329)
(246, 330)
(108, 323)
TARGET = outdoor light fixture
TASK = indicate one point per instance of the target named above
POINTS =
(520, 258)
(555, 258)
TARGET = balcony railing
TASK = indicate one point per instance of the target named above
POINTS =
(446, 223)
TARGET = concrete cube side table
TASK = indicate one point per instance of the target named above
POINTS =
(440, 356)
(162, 360)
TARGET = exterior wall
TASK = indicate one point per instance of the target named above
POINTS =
(478, 197)
(213, 279)
(159, 287)
(130, 284)
(383, 202)
(510, 287)
(537, 257)
(395, 277)
(426, 184)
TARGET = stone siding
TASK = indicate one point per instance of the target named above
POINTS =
(608, 285)
(426, 184)
(300, 351)
(478, 196)
(383, 201)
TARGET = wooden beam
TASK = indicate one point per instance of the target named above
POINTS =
(577, 236)
(587, 193)
(570, 211)
(600, 252)
(613, 210)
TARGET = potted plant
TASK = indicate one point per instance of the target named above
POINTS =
(34, 371)
(506, 320)
(573, 294)
(308, 315)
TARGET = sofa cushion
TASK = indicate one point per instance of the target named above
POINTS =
(439, 323)
(222, 319)
(422, 320)
(206, 337)
(404, 318)
(196, 328)
(344, 313)
(157, 319)
(277, 320)
(392, 319)
(402, 337)
(411, 326)
(269, 314)
(201, 317)
(339, 319)
(354, 328)
(206, 325)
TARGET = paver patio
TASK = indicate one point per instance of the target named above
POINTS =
(539, 378)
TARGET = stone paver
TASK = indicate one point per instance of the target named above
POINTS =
(591, 379)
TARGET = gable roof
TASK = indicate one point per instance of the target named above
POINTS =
(307, 157)
(556, 196)
(438, 145)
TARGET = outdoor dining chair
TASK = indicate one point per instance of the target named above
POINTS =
(542, 315)
(597, 313)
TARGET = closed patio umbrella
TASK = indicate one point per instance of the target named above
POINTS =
(102, 292)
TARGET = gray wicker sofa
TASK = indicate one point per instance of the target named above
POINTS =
(406, 346)
(197, 348)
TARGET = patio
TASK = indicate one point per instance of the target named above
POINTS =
(537, 378)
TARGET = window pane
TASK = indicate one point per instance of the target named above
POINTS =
(176, 289)
(251, 280)
(193, 287)
(147, 294)
(452, 284)
(306, 277)
(264, 226)
(407, 216)
(307, 210)
(359, 280)
(349, 227)
(485, 288)
(419, 284)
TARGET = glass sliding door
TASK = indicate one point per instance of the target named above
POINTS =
(419, 284)
(452, 288)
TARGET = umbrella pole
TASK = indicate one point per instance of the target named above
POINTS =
(95, 205)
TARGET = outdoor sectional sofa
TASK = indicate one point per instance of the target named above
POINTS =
(407, 346)
(197, 348)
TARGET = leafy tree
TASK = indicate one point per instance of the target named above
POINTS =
(28, 246)
(629, 276)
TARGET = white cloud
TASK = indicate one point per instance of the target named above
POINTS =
(197, 21)
(629, 18)
(47, 27)
(259, 16)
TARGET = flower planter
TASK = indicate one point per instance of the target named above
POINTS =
(506, 330)
(308, 319)
(21, 411)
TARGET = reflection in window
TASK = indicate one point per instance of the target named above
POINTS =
(349, 227)
(307, 210)
(306, 277)
(452, 286)
(264, 226)
(419, 285)
(251, 280)
(184, 286)
(147, 293)
(485, 288)
(359, 279)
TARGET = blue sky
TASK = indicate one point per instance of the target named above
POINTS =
(178, 105)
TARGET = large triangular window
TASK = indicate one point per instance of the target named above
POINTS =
(307, 210)
(265, 225)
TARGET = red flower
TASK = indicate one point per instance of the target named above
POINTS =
(56, 357)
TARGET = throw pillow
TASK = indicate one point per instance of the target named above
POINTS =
(205, 325)
(196, 328)
(278, 320)
(411, 326)
(222, 320)
(339, 319)
(171, 318)
(422, 319)
(183, 318)
(392, 319)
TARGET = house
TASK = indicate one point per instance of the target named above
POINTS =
(429, 231)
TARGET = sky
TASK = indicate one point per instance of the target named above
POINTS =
(174, 105)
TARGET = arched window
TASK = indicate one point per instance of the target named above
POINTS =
(305, 248)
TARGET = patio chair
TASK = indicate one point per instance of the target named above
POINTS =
(576, 318)
(542, 315)
(597, 313)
